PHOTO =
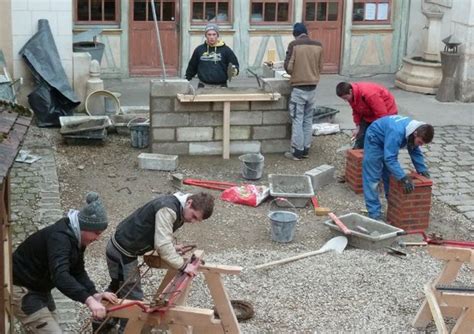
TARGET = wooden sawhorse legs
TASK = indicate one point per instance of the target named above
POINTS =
(179, 318)
(456, 304)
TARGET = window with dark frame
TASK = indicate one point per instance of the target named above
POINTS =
(97, 11)
(215, 11)
(143, 10)
(320, 11)
(270, 11)
(371, 11)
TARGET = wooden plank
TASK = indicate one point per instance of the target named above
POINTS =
(226, 131)
(228, 97)
(222, 303)
(221, 269)
(435, 310)
(465, 323)
(451, 253)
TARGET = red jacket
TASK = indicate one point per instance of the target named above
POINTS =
(371, 101)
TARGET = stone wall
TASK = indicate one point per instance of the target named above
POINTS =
(195, 128)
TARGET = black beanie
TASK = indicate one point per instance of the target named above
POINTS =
(93, 217)
(299, 29)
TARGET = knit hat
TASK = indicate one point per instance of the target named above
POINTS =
(298, 29)
(212, 26)
(93, 217)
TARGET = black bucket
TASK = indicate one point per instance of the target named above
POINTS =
(139, 132)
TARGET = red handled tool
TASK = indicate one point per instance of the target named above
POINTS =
(339, 223)
(436, 240)
(216, 185)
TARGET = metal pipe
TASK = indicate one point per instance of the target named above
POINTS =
(158, 38)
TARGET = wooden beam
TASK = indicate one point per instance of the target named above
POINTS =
(226, 131)
(449, 253)
(228, 97)
(435, 310)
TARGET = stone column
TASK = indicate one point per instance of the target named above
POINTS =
(446, 90)
(431, 52)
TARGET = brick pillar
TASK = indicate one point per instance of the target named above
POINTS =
(410, 211)
(354, 170)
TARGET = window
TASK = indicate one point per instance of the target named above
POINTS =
(371, 11)
(143, 10)
(215, 11)
(267, 11)
(321, 11)
(97, 11)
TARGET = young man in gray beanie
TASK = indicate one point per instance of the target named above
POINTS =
(148, 228)
(304, 61)
(53, 257)
(211, 60)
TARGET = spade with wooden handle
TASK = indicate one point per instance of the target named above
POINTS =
(337, 244)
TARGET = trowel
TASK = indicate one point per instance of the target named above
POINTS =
(337, 244)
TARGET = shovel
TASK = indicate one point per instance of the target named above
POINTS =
(337, 244)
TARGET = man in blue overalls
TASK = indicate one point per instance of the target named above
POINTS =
(384, 138)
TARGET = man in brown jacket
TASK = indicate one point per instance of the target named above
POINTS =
(304, 62)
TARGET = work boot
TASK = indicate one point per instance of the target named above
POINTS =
(296, 155)
(305, 153)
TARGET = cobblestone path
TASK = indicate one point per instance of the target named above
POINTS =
(35, 203)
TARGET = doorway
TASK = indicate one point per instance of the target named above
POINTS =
(144, 53)
(323, 20)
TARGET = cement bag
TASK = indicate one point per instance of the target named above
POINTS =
(248, 194)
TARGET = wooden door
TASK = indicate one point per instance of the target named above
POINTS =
(323, 19)
(144, 54)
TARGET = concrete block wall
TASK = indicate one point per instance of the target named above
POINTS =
(353, 174)
(410, 211)
(195, 128)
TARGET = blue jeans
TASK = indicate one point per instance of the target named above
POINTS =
(302, 104)
(374, 169)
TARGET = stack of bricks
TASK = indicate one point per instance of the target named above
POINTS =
(410, 211)
(354, 170)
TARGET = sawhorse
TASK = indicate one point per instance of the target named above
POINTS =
(455, 304)
(179, 318)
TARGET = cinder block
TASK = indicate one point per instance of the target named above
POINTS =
(278, 85)
(276, 117)
(163, 134)
(206, 118)
(236, 133)
(157, 161)
(237, 105)
(321, 176)
(410, 211)
(170, 148)
(280, 104)
(246, 118)
(269, 132)
(169, 88)
(215, 148)
(194, 133)
(192, 106)
(275, 146)
(162, 104)
(169, 119)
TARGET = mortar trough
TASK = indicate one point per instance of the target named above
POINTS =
(297, 189)
(377, 235)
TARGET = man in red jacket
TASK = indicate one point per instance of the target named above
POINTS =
(369, 102)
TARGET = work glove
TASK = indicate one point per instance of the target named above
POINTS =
(425, 174)
(408, 185)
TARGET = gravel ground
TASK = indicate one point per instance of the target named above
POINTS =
(356, 291)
